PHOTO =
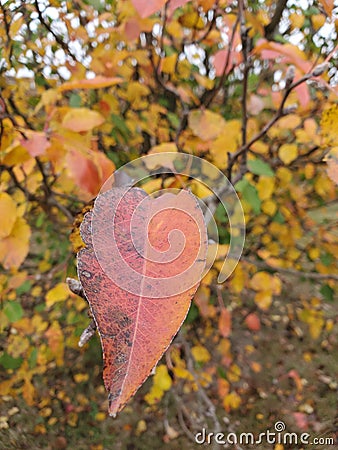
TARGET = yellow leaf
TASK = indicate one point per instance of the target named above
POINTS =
(265, 187)
(309, 171)
(231, 401)
(153, 185)
(284, 175)
(278, 447)
(7, 213)
(14, 248)
(260, 147)
(288, 153)
(163, 148)
(263, 300)
(48, 98)
(17, 345)
(317, 20)
(238, 279)
(141, 427)
(58, 293)
(192, 20)
(269, 207)
(100, 417)
(15, 26)
(234, 373)
(200, 354)
(328, 125)
(82, 119)
(297, 20)
(226, 141)
(168, 64)
(316, 326)
(200, 189)
(154, 395)
(162, 378)
(260, 281)
(81, 377)
(72, 419)
(314, 253)
(181, 372)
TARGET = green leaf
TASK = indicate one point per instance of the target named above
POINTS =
(25, 287)
(8, 362)
(33, 358)
(250, 195)
(241, 185)
(259, 167)
(192, 314)
(75, 100)
(326, 259)
(13, 311)
(278, 217)
(327, 292)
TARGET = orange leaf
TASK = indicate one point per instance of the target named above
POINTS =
(7, 214)
(82, 119)
(92, 83)
(89, 170)
(56, 342)
(143, 297)
(224, 323)
(327, 5)
(206, 124)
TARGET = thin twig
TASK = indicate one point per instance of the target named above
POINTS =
(245, 52)
(58, 39)
(271, 27)
(298, 273)
(210, 95)
(281, 112)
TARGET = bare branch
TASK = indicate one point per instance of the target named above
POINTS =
(271, 27)
(58, 39)
(208, 96)
(297, 273)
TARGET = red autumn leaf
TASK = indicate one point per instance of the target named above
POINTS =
(139, 300)
(90, 170)
(301, 420)
(252, 322)
(224, 323)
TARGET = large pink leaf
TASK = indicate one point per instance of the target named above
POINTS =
(140, 269)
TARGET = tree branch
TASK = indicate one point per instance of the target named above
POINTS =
(297, 273)
(271, 27)
(58, 39)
